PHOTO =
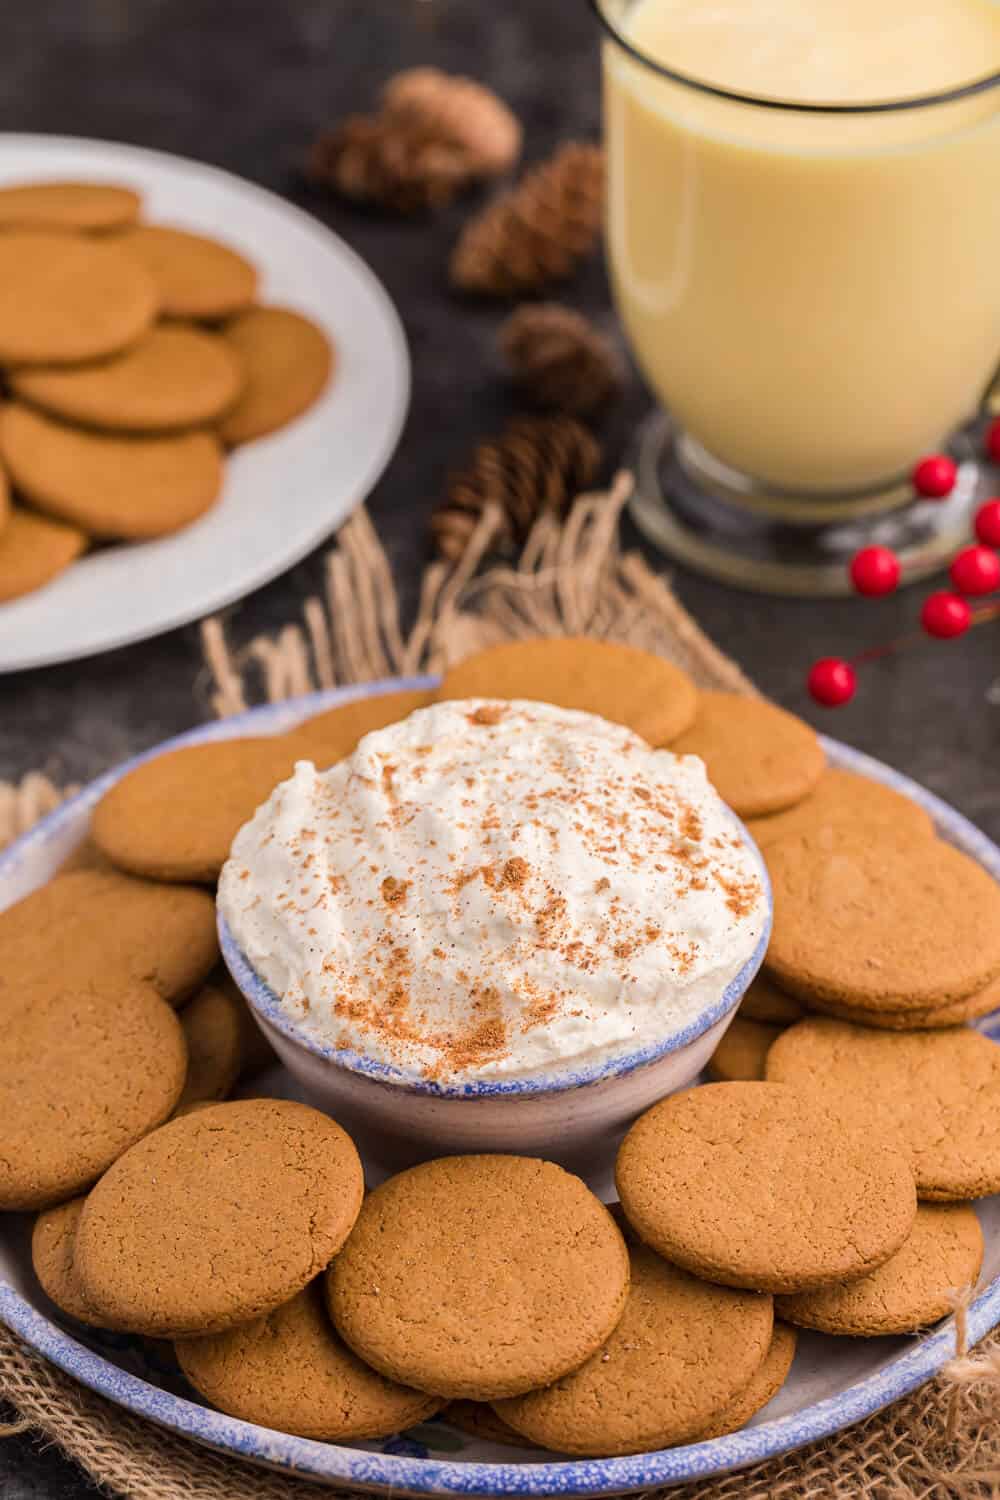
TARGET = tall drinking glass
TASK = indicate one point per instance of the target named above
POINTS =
(810, 281)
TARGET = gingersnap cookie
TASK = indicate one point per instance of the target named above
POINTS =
(649, 695)
(759, 758)
(289, 1370)
(843, 799)
(85, 1071)
(114, 486)
(764, 1186)
(743, 1051)
(763, 1001)
(479, 1420)
(286, 360)
(915, 1287)
(884, 923)
(682, 1351)
(763, 1387)
(331, 736)
(174, 377)
(86, 207)
(936, 1091)
(213, 1031)
(65, 298)
(934, 1018)
(217, 1218)
(256, 1052)
(33, 551)
(86, 856)
(53, 1243)
(104, 928)
(479, 1276)
(195, 277)
(174, 817)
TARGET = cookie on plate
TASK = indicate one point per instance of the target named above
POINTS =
(84, 207)
(843, 799)
(53, 1245)
(682, 1352)
(479, 1276)
(763, 1001)
(104, 928)
(287, 360)
(290, 1371)
(65, 298)
(174, 816)
(936, 1091)
(331, 736)
(213, 1029)
(760, 1185)
(934, 1018)
(917, 1286)
(479, 1420)
(648, 694)
(217, 1218)
(33, 551)
(763, 1386)
(759, 758)
(114, 486)
(84, 1073)
(195, 277)
(882, 923)
(742, 1053)
(174, 377)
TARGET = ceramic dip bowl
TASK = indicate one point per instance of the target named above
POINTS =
(576, 1117)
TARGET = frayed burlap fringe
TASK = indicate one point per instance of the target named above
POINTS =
(942, 1443)
(571, 579)
(23, 802)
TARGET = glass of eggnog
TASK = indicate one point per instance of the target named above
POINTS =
(804, 243)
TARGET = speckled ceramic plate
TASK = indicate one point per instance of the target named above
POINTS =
(833, 1382)
(283, 493)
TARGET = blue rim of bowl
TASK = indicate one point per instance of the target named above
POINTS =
(429, 1476)
(262, 999)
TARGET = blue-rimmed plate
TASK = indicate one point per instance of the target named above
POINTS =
(833, 1382)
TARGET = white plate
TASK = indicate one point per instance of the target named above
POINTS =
(284, 493)
(833, 1382)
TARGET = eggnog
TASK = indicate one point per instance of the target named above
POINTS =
(814, 295)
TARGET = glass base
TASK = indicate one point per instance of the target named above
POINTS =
(722, 524)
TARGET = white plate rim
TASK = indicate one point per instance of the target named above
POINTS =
(127, 161)
(337, 1465)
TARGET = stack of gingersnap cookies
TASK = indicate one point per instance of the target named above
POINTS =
(825, 1182)
(133, 356)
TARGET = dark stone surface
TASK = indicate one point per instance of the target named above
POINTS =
(245, 84)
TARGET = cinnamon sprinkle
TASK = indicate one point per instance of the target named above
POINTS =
(489, 714)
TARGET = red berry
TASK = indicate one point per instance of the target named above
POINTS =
(988, 523)
(875, 571)
(945, 615)
(993, 440)
(832, 681)
(934, 477)
(975, 570)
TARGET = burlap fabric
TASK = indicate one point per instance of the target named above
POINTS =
(942, 1442)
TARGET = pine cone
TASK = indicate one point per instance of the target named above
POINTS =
(462, 113)
(539, 231)
(538, 463)
(560, 359)
(397, 163)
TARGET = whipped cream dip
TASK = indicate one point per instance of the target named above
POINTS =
(495, 890)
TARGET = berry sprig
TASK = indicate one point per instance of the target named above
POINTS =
(944, 615)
